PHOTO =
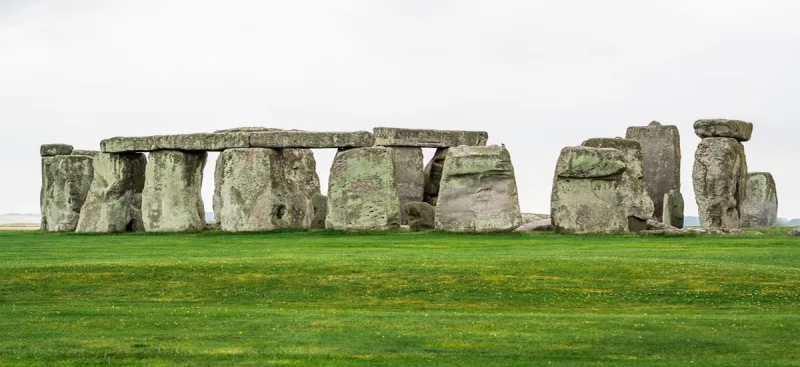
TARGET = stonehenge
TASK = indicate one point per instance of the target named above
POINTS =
(114, 201)
(720, 172)
(661, 161)
(760, 207)
(65, 184)
(171, 198)
(673, 209)
(421, 216)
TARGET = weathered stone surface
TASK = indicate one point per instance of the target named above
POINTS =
(264, 189)
(311, 139)
(320, 203)
(421, 216)
(171, 200)
(533, 217)
(720, 182)
(536, 226)
(248, 129)
(634, 197)
(183, 142)
(584, 198)
(52, 150)
(478, 191)
(795, 232)
(362, 190)
(661, 161)
(721, 128)
(761, 202)
(589, 162)
(433, 175)
(114, 202)
(390, 136)
(408, 163)
(65, 184)
(673, 209)
(90, 153)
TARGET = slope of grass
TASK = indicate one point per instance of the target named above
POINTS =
(330, 298)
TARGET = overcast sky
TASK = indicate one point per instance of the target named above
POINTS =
(537, 75)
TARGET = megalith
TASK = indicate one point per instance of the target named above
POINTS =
(661, 161)
(114, 202)
(478, 191)
(432, 175)
(263, 189)
(65, 184)
(171, 198)
(761, 202)
(52, 150)
(421, 216)
(320, 203)
(362, 190)
(634, 198)
(585, 197)
(408, 163)
(720, 181)
(673, 209)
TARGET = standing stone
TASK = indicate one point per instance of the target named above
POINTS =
(673, 209)
(433, 175)
(720, 182)
(114, 202)
(171, 198)
(478, 191)
(761, 203)
(661, 161)
(362, 190)
(421, 216)
(320, 203)
(65, 184)
(585, 196)
(265, 189)
(635, 199)
(408, 163)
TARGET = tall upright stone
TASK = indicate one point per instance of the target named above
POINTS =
(673, 209)
(432, 176)
(761, 202)
(585, 196)
(171, 198)
(65, 184)
(264, 189)
(661, 161)
(635, 199)
(478, 191)
(408, 163)
(720, 181)
(114, 202)
(362, 190)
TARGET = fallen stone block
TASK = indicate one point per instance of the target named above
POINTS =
(52, 150)
(410, 177)
(65, 183)
(661, 161)
(171, 198)
(536, 226)
(478, 191)
(311, 139)
(721, 128)
(421, 216)
(761, 202)
(397, 137)
(795, 232)
(320, 203)
(114, 202)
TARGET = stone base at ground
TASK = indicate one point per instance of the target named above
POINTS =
(536, 226)
(65, 183)
(171, 200)
(408, 163)
(320, 203)
(421, 216)
(362, 190)
(478, 191)
(761, 202)
(114, 202)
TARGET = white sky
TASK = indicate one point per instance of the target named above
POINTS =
(537, 75)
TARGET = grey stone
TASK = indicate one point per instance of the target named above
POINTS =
(408, 163)
(634, 197)
(536, 226)
(721, 128)
(52, 150)
(761, 202)
(171, 198)
(183, 142)
(720, 182)
(588, 162)
(433, 175)
(90, 153)
(661, 161)
(311, 139)
(265, 189)
(533, 217)
(421, 216)
(586, 198)
(390, 136)
(795, 232)
(478, 191)
(320, 203)
(362, 190)
(673, 209)
(248, 129)
(114, 202)
(65, 184)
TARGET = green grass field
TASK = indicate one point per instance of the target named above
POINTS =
(331, 298)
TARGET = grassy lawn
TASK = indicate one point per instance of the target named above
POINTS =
(330, 298)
